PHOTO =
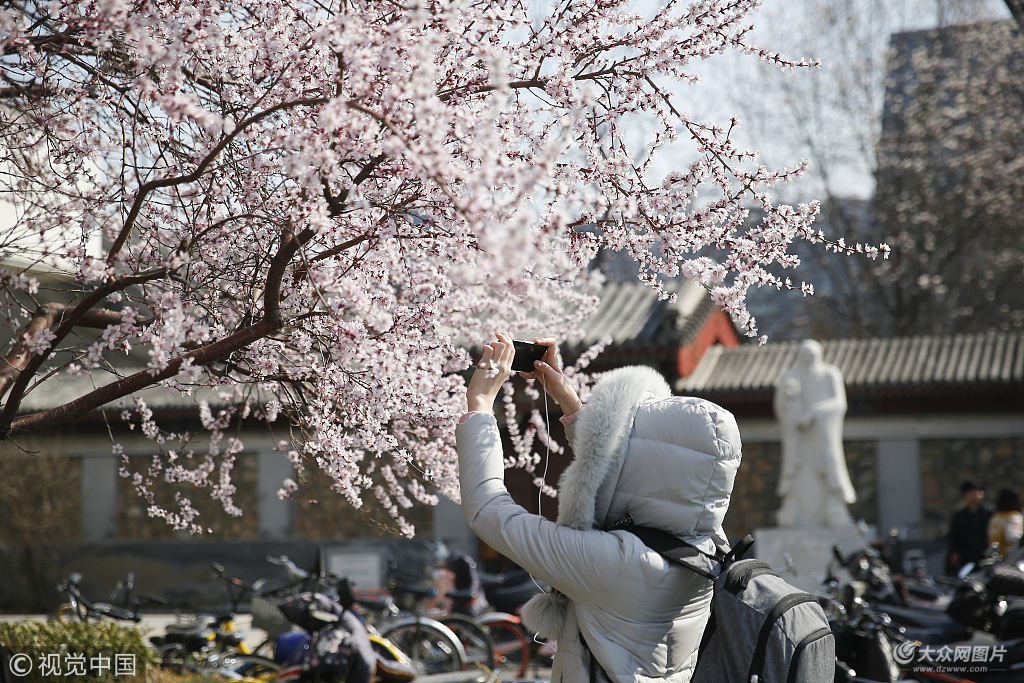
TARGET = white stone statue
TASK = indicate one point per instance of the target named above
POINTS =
(810, 403)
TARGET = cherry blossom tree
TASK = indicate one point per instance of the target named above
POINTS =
(310, 210)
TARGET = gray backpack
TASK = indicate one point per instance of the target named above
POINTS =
(762, 630)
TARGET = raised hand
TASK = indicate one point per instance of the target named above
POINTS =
(551, 378)
(491, 372)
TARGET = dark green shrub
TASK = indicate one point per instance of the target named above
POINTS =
(73, 652)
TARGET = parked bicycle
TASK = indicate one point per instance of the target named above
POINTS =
(124, 606)
(515, 649)
(208, 651)
(431, 646)
(428, 644)
(472, 634)
(402, 642)
(211, 644)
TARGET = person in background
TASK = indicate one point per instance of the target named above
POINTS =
(968, 528)
(1006, 527)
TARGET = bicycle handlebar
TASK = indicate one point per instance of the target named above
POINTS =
(114, 612)
(286, 563)
(222, 574)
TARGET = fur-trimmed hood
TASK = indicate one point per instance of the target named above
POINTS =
(667, 462)
(600, 433)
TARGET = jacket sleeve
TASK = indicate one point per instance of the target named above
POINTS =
(575, 562)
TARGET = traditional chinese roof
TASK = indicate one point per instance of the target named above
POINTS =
(645, 330)
(631, 314)
(62, 389)
(926, 366)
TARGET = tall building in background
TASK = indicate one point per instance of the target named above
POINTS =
(950, 181)
(948, 198)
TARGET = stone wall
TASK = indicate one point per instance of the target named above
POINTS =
(40, 497)
(41, 500)
(945, 463)
(40, 511)
(134, 522)
(321, 513)
(754, 500)
(861, 464)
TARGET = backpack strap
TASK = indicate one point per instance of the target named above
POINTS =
(781, 607)
(676, 550)
(794, 664)
(739, 575)
(739, 550)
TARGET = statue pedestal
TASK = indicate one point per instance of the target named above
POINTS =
(809, 549)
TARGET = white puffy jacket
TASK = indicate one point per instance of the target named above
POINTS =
(667, 462)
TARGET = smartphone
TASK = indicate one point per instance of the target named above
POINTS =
(526, 354)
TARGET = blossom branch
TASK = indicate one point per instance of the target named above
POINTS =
(45, 318)
(67, 324)
(209, 354)
(224, 142)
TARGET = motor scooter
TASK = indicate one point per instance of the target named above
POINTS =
(872, 647)
(508, 592)
(874, 584)
(991, 597)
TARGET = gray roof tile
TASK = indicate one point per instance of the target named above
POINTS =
(633, 316)
(898, 363)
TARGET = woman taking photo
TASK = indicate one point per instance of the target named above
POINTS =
(618, 610)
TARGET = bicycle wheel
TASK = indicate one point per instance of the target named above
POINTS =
(67, 612)
(475, 639)
(511, 649)
(392, 664)
(430, 649)
(174, 658)
(266, 648)
(251, 667)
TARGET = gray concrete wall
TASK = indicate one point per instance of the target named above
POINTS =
(899, 483)
(178, 571)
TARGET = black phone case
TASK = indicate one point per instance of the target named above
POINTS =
(526, 354)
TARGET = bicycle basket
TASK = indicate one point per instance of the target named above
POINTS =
(266, 616)
(267, 594)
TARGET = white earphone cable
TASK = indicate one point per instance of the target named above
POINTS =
(547, 461)
(547, 450)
